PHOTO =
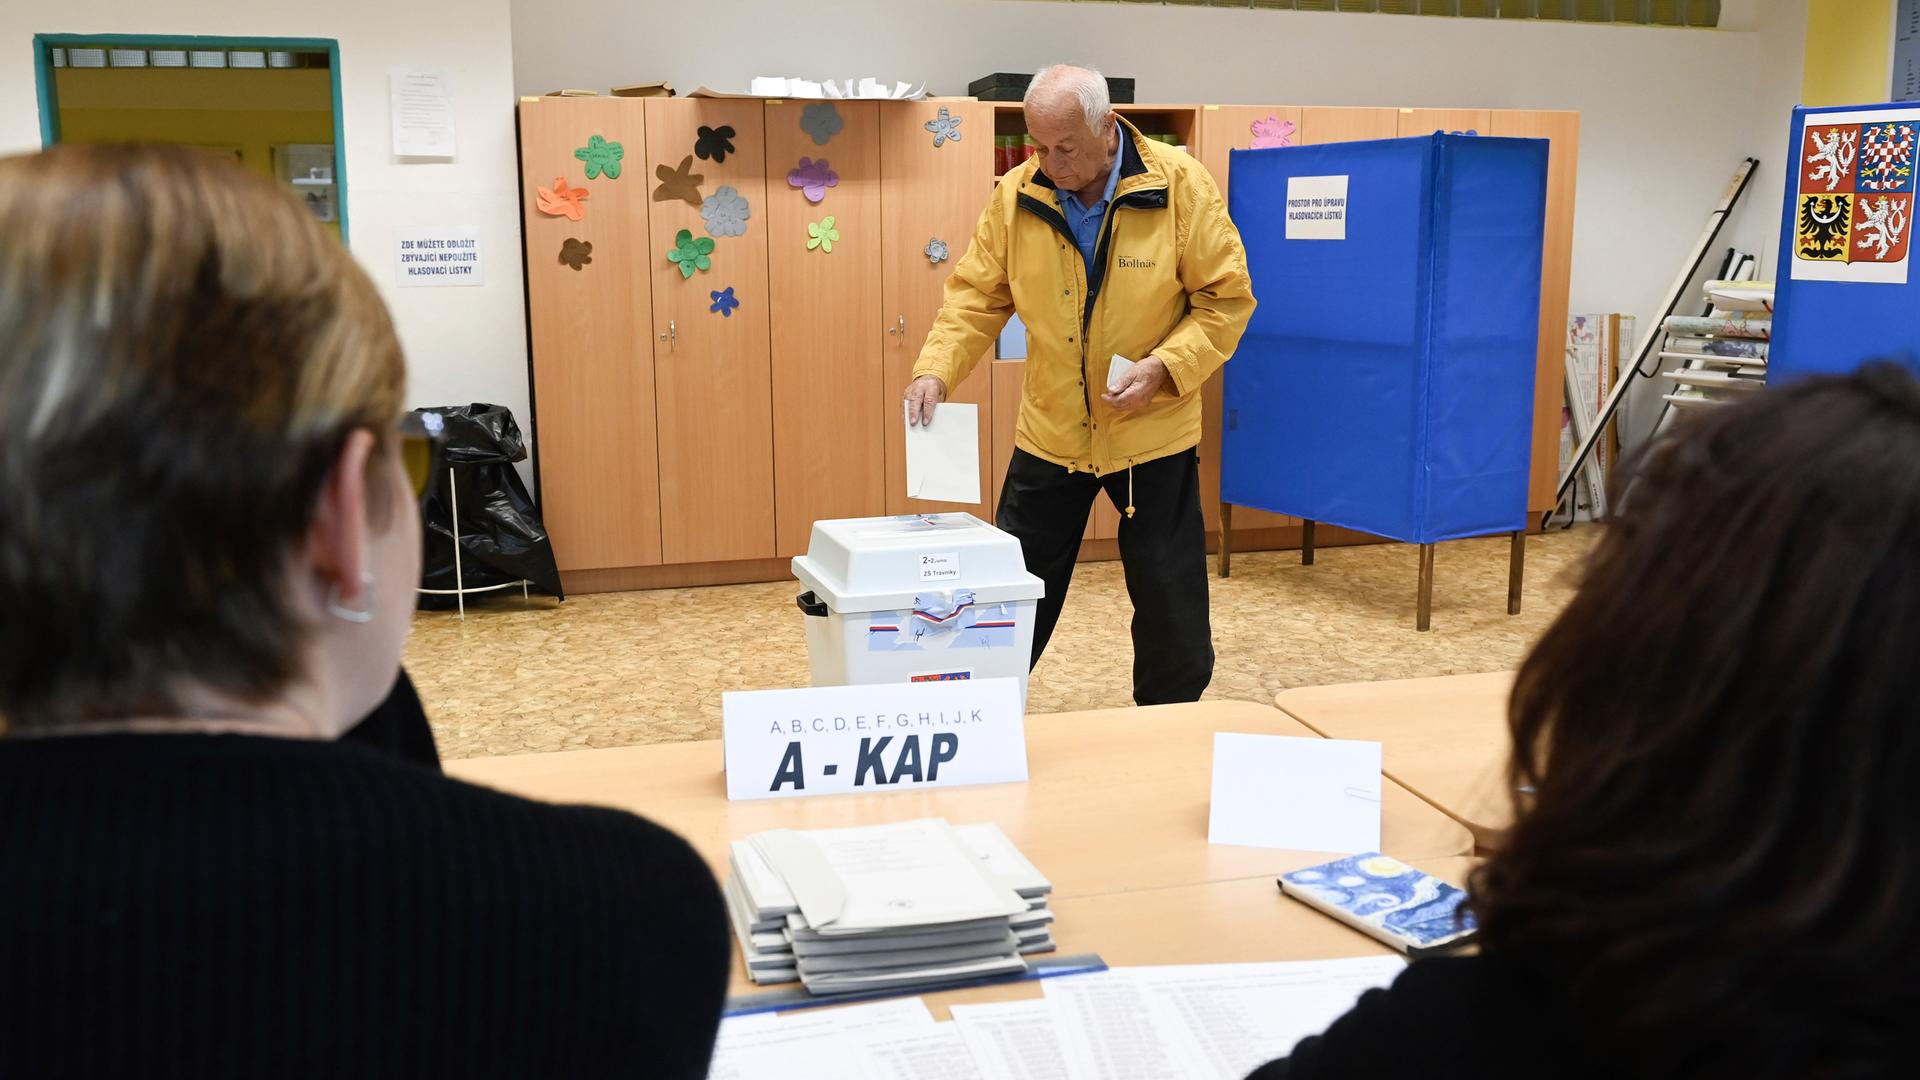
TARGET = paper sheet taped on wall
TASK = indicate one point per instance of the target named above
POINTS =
(422, 113)
(943, 455)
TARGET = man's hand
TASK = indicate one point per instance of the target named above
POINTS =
(1138, 386)
(922, 395)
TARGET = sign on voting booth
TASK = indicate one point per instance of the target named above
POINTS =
(1844, 294)
(1385, 382)
(831, 740)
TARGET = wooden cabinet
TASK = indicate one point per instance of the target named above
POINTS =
(829, 385)
(929, 193)
(713, 386)
(593, 373)
(1415, 122)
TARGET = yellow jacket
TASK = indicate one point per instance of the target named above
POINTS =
(1170, 279)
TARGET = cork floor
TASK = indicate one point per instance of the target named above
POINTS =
(615, 669)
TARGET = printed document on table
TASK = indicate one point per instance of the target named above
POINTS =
(880, 877)
(934, 1053)
(1203, 1021)
(1013, 1041)
(943, 455)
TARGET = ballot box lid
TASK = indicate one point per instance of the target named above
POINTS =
(882, 563)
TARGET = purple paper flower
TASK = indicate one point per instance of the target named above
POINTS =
(813, 178)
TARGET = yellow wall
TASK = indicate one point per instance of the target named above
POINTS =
(1849, 52)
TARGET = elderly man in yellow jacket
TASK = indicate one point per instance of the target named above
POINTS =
(1107, 245)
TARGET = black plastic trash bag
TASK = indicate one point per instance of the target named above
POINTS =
(502, 539)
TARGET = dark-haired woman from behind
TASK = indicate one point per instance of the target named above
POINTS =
(209, 542)
(1717, 873)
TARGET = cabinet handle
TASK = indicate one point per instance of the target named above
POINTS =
(672, 336)
(899, 329)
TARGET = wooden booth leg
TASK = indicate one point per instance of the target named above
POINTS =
(1226, 538)
(1423, 617)
(1306, 542)
(1516, 571)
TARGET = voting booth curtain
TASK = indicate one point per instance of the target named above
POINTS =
(1845, 294)
(1386, 381)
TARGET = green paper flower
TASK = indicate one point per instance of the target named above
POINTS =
(601, 156)
(690, 253)
(821, 234)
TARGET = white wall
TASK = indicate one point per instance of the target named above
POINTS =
(463, 344)
(1666, 114)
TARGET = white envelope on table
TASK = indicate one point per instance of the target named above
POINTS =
(943, 457)
(1303, 794)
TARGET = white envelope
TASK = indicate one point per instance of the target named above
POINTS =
(1276, 791)
(943, 457)
(1116, 369)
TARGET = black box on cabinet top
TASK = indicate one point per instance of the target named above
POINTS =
(1007, 86)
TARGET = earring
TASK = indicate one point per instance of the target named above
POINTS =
(341, 611)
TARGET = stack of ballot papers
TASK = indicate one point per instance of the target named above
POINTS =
(1200, 1022)
(886, 907)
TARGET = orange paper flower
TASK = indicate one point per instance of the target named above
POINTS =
(562, 201)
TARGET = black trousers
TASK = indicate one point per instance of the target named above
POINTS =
(1163, 547)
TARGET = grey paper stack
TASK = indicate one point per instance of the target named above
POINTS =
(915, 904)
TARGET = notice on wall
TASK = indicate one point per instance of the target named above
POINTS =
(1316, 208)
(1853, 200)
(1906, 52)
(444, 255)
(422, 113)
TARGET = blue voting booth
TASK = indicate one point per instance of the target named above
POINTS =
(1844, 293)
(1385, 383)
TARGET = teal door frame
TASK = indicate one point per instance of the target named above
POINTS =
(44, 44)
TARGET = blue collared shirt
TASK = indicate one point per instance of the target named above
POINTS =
(1085, 220)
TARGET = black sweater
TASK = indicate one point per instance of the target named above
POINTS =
(233, 906)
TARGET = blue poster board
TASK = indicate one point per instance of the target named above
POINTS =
(1386, 381)
(1845, 294)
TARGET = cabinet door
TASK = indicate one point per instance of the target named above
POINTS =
(1562, 132)
(593, 423)
(1339, 124)
(829, 392)
(711, 373)
(931, 192)
(1223, 129)
(1415, 122)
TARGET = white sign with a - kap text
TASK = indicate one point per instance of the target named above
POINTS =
(831, 740)
(1316, 208)
(439, 255)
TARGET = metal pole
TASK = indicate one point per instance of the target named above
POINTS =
(459, 581)
(1651, 337)
(1423, 614)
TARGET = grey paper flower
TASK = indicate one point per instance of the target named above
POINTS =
(726, 212)
(936, 251)
(945, 127)
(822, 121)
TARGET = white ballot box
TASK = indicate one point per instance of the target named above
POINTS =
(916, 598)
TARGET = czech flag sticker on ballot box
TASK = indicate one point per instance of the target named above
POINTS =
(916, 598)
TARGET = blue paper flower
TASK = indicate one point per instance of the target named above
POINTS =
(945, 127)
(724, 302)
(822, 121)
(726, 212)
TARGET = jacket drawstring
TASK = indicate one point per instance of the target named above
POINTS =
(1129, 487)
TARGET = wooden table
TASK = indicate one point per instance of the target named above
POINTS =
(1444, 739)
(1115, 813)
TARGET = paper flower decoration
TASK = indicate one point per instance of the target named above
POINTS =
(813, 178)
(936, 251)
(822, 121)
(724, 302)
(821, 234)
(1272, 132)
(725, 212)
(945, 127)
(601, 156)
(561, 200)
(690, 253)
(681, 183)
(714, 143)
(575, 253)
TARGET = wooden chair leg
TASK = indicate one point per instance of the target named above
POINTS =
(1516, 571)
(1423, 615)
(1226, 538)
(1306, 542)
